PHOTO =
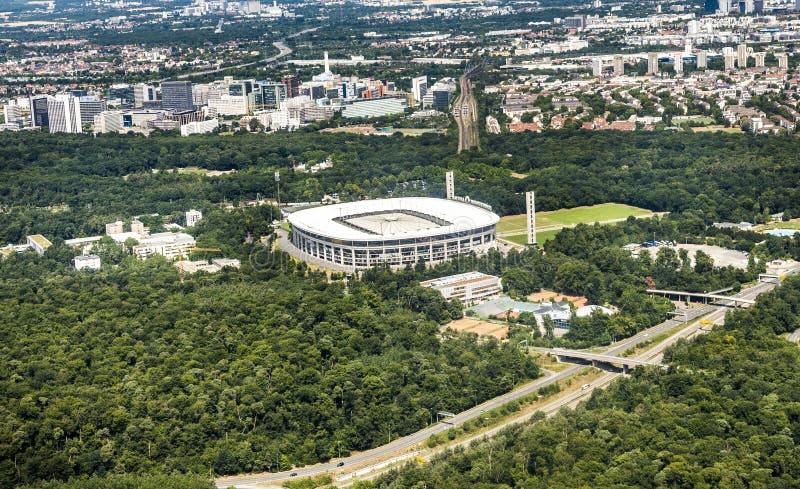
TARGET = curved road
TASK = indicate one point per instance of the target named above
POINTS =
(283, 51)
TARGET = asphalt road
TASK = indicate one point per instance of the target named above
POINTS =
(283, 51)
(375, 455)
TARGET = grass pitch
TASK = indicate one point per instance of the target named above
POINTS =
(568, 217)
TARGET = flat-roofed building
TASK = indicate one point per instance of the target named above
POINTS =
(39, 243)
(377, 107)
(169, 245)
(75, 242)
(468, 287)
(115, 227)
(87, 261)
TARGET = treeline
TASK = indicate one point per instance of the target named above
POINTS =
(715, 176)
(725, 414)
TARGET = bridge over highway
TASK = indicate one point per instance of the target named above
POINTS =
(702, 295)
(597, 358)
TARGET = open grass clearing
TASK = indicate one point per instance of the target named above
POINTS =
(570, 217)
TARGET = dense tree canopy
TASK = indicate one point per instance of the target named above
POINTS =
(128, 370)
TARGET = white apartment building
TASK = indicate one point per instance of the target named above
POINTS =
(193, 216)
(468, 287)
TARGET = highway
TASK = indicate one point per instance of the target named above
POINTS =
(378, 454)
(283, 51)
(713, 313)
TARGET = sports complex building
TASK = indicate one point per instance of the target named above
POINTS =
(394, 231)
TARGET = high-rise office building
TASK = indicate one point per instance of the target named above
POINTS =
(268, 95)
(64, 112)
(317, 91)
(746, 6)
(419, 87)
(143, 93)
(90, 107)
(12, 113)
(711, 6)
(176, 96)
(39, 117)
(121, 95)
(292, 85)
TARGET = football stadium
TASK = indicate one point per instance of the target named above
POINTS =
(394, 231)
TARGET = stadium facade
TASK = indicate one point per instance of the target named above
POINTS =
(398, 231)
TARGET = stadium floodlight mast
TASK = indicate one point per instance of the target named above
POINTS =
(278, 184)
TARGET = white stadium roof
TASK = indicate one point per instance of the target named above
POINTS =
(401, 218)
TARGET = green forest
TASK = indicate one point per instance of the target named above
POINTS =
(716, 176)
(129, 371)
(725, 414)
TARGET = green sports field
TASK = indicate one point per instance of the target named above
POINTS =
(540, 237)
(549, 220)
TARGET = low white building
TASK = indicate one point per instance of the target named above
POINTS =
(87, 261)
(200, 127)
(468, 287)
(169, 245)
(215, 266)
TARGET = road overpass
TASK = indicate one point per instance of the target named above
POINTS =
(702, 295)
(597, 359)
